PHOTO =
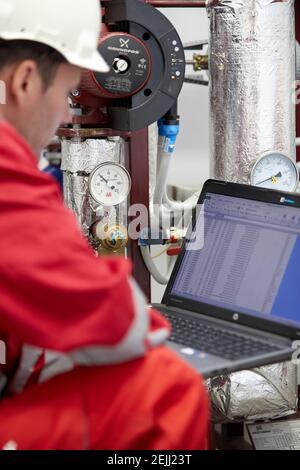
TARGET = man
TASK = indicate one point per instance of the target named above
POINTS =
(60, 307)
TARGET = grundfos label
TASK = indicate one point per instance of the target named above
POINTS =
(130, 65)
(118, 84)
(127, 51)
(124, 46)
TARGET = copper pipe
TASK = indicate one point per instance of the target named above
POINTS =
(176, 3)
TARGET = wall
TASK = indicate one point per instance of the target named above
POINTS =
(193, 142)
(190, 167)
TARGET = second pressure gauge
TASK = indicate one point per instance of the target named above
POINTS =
(109, 184)
(275, 171)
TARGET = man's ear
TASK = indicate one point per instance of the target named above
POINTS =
(25, 82)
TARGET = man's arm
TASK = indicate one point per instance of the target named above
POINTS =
(56, 294)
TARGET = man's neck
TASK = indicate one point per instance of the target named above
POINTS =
(4, 119)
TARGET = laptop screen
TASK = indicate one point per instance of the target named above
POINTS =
(249, 261)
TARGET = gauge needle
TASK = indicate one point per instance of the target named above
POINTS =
(102, 177)
(272, 178)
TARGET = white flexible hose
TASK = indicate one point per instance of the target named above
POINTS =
(163, 165)
(163, 207)
(152, 268)
(187, 204)
(161, 214)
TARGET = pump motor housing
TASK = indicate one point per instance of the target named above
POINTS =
(147, 67)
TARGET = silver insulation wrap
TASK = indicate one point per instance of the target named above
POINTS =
(264, 393)
(77, 199)
(297, 61)
(79, 158)
(83, 156)
(252, 68)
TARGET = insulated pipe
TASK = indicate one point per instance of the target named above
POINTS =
(79, 158)
(297, 17)
(297, 61)
(252, 68)
(176, 3)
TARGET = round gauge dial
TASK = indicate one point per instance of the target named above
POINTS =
(275, 171)
(109, 184)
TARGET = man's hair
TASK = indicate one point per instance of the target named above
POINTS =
(46, 58)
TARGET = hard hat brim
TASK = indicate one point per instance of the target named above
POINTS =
(96, 63)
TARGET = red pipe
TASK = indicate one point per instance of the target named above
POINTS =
(176, 3)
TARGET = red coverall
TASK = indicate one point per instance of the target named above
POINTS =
(61, 308)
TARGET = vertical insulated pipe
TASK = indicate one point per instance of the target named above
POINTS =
(252, 67)
(297, 11)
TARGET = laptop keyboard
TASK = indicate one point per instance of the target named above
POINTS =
(215, 340)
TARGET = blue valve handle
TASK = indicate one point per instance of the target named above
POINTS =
(170, 132)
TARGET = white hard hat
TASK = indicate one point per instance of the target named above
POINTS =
(71, 27)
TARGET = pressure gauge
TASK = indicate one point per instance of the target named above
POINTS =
(275, 171)
(109, 184)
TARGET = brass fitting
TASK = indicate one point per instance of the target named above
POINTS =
(113, 238)
(199, 62)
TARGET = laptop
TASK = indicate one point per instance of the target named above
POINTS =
(233, 298)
